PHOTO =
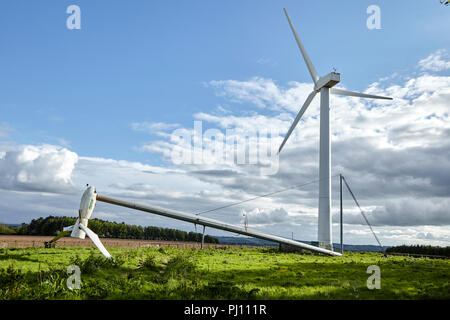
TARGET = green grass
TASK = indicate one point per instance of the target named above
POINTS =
(173, 273)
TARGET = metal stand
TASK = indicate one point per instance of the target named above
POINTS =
(203, 237)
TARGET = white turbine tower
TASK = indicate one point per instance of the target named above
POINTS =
(323, 85)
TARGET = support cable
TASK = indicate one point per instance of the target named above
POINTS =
(264, 195)
(362, 213)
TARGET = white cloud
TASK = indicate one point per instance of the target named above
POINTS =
(437, 61)
(153, 127)
(44, 167)
(264, 60)
(264, 93)
(4, 129)
(407, 212)
(260, 216)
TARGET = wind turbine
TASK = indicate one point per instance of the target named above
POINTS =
(79, 229)
(324, 85)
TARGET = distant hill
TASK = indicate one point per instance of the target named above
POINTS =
(245, 241)
(11, 225)
(359, 247)
(259, 242)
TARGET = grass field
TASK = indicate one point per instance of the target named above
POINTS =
(212, 273)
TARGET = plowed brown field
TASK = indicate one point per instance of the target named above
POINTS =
(38, 241)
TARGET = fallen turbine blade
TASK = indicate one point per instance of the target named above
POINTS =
(69, 228)
(96, 240)
(308, 62)
(357, 94)
(297, 119)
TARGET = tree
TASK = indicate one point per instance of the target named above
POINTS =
(7, 230)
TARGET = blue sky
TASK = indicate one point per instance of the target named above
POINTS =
(149, 60)
(97, 105)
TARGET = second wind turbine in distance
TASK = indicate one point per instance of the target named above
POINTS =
(324, 85)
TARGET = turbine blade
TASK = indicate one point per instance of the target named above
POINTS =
(96, 240)
(357, 94)
(308, 62)
(297, 119)
(69, 228)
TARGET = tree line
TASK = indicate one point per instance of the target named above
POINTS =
(7, 230)
(420, 249)
(51, 226)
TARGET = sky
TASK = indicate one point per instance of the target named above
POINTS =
(109, 104)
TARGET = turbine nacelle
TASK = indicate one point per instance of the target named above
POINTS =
(87, 206)
(328, 81)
